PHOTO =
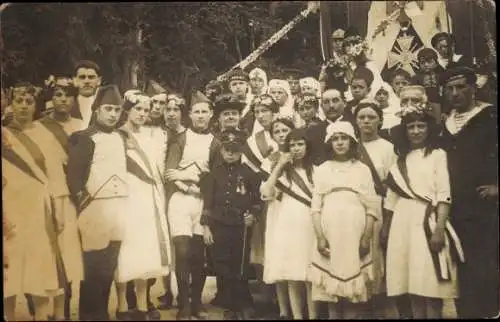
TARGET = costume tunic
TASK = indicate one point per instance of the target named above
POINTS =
(343, 195)
(184, 210)
(410, 268)
(145, 249)
(289, 229)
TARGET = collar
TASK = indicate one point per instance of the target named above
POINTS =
(231, 166)
(197, 131)
(103, 128)
(340, 118)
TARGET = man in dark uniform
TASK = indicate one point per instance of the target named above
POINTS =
(96, 176)
(470, 139)
(231, 200)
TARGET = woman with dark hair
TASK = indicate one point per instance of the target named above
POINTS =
(289, 231)
(51, 134)
(422, 249)
(35, 265)
(344, 211)
(378, 154)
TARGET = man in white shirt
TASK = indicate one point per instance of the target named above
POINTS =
(87, 79)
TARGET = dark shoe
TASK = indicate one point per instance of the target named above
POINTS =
(139, 316)
(285, 318)
(154, 314)
(166, 301)
(183, 314)
(199, 314)
(123, 316)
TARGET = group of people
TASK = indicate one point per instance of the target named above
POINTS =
(346, 196)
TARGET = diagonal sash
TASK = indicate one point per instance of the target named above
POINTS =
(134, 168)
(288, 190)
(297, 179)
(250, 155)
(439, 259)
(380, 189)
(260, 141)
(32, 149)
(57, 130)
(17, 161)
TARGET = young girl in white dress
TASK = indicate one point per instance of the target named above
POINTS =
(145, 251)
(423, 248)
(290, 231)
(344, 211)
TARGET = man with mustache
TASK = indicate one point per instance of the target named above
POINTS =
(87, 80)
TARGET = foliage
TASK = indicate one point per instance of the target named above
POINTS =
(201, 39)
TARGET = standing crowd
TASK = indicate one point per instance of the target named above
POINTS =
(346, 196)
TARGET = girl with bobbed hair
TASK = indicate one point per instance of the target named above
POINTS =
(289, 233)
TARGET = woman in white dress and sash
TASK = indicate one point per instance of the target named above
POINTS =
(51, 134)
(257, 148)
(35, 262)
(290, 234)
(423, 249)
(145, 252)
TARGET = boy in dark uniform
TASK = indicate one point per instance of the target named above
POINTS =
(231, 199)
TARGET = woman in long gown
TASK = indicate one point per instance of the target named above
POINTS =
(290, 233)
(51, 134)
(35, 265)
(344, 209)
(423, 249)
(145, 251)
(278, 129)
(378, 154)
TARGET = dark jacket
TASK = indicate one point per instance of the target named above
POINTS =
(230, 190)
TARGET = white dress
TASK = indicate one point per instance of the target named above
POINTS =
(145, 251)
(259, 227)
(289, 232)
(382, 154)
(55, 159)
(410, 268)
(344, 195)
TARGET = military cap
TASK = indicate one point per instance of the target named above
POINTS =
(456, 73)
(440, 36)
(232, 139)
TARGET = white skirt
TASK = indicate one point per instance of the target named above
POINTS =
(289, 238)
(409, 263)
(145, 235)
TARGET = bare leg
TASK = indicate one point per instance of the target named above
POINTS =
(295, 292)
(41, 307)
(59, 302)
(434, 308)
(121, 294)
(311, 305)
(9, 306)
(141, 287)
(334, 311)
(418, 305)
(282, 293)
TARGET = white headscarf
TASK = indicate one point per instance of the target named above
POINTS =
(260, 73)
(287, 108)
(310, 82)
(390, 113)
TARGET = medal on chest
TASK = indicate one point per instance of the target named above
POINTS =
(240, 186)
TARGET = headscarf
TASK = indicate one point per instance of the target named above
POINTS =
(287, 109)
(260, 73)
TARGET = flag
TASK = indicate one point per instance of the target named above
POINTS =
(397, 30)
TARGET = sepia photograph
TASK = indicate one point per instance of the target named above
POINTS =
(249, 160)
